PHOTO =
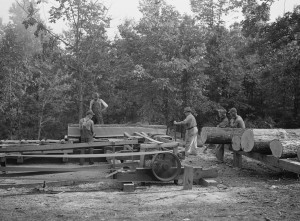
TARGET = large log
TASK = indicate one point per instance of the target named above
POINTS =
(217, 135)
(285, 148)
(258, 140)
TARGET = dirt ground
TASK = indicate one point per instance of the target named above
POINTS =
(254, 192)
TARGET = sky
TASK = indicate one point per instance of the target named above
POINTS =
(121, 9)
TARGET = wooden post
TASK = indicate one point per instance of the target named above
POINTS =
(81, 160)
(142, 157)
(2, 162)
(237, 159)
(64, 159)
(188, 177)
(91, 151)
(20, 159)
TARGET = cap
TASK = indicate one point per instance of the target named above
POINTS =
(222, 111)
(96, 95)
(232, 110)
(187, 109)
(90, 112)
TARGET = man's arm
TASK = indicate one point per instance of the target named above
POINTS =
(104, 104)
(91, 104)
(240, 123)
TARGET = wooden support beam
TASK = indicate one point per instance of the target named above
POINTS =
(188, 177)
(54, 169)
(286, 164)
(237, 159)
(67, 146)
(77, 156)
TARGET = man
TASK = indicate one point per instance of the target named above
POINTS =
(86, 126)
(219, 150)
(224, 123)
(236, 121)
(191, 132)
(98, 105)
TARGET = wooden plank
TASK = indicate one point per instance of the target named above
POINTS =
(53, 169)
(286, 164)
(67, 146)
(148, 138)
(117, 130)
(75, 156)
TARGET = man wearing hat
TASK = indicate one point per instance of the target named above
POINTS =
(86, 126)
(98, 105)
(191, 132)
(236, 121)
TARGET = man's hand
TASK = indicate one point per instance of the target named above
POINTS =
(175, 122)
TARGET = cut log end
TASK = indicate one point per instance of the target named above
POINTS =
(236, 143)
(276, 148)
(247, 141)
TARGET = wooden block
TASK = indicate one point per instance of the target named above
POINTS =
(20, 159)
(188, 176)
(207, 182)
(205, 173)
(237, 159)
(128, 187)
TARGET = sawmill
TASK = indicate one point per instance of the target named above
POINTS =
(135, 154)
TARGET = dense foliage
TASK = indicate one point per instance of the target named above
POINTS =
(152, 70)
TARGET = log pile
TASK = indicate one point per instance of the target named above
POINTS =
(281, 143)
(284, 141)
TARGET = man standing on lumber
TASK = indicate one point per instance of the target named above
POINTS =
(191, 132)
(86, 126)
(98, 105)
(236, 121)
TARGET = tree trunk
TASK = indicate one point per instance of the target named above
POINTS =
(258, 140)
(285, 148)
(217, 135)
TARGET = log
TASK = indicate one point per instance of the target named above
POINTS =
(236, 143)
(285, 148)
(258, 140)
(217, 135)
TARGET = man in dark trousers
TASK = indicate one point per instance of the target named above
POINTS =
(236, 121)
(98, 105)
(86, 126)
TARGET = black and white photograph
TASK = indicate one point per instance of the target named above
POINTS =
(149, 110)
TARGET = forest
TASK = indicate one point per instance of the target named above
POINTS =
(150, 71)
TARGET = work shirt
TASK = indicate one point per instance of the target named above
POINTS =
(237, 122)
(224, 123)
(190, 122)
(86, 127)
